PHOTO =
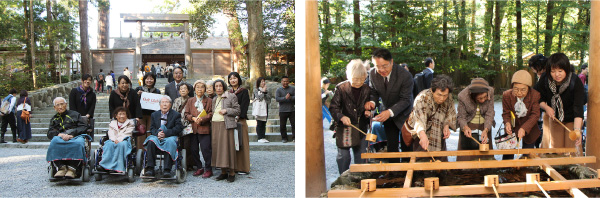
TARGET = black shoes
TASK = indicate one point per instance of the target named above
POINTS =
(167, 174)
(231, 178)
(222, 177)
(149, 171)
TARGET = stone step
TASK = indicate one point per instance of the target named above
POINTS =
(254, 146)
(46, 119)
(253, 137)
(98, 130)
(105, 124)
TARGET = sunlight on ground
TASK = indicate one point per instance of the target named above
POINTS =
(12, 159)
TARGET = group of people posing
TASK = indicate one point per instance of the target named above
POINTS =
(202, 116)
(423, 122)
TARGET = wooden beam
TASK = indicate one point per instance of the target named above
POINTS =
(469, 189)
(464, 153)
(155, 18)
(409, 174)
(469, 164)
(558, 177)
(162, 29)
(593, 127)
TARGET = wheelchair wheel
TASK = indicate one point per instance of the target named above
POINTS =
(184, 159)
(180, 175)
(130, 176)
(86, 174)
(139, 160)
(93, 160)
(51, 173)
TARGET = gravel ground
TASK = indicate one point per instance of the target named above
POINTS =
(452, 144)
(24, 174)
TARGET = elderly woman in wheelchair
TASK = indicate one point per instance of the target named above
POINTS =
(115, 155)
(165, 129)
(69, 148)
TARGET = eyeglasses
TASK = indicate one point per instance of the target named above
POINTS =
(60, 104)
(524, 90)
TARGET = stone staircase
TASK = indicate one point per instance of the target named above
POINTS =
(41, 118)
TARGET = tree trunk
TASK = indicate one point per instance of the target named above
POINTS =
(519, 35)
(463, 27)
(50, 38)
(325, 45)
(445, 27)
(32, 40)
(27, 36)
(103, 23)
(488, 24)
(236, 41)
(495, 52)
(561, 24)
(256, 42)
(549, 34)
(537, 28)
(357, 48)
(86, 68)
(473, 25)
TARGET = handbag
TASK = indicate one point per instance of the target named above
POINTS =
(505, 141)
(141, 129)
(25, 113)
(406, 135)
(347, 137)
(187, 130)
(237, 136)
(259, 108)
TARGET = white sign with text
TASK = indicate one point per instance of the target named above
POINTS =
(150, 101)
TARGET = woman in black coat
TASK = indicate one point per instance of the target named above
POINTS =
(242, 157)
(83, 99)
(347, 108)
(126, 97)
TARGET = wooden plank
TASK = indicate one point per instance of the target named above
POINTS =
(409, 174)
(464, 153)
(469, 164)
(469, 189)
(162, 29)
(575, 192)
(155, 18)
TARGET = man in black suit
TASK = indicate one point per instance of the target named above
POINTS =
(171, 89)
(165, 128)
(394, 85)
(428, 73)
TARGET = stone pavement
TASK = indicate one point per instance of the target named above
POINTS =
(24, 174)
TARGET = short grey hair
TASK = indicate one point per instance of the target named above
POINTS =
(167, 97)
(57, 99)
(356, 69)
(210, 83)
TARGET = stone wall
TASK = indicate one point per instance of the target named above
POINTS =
(42, 98)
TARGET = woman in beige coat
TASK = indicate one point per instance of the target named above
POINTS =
(475, 116)
(223, 123)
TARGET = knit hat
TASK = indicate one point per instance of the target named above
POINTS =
(523, 77)
(198, 82)
(479, 85)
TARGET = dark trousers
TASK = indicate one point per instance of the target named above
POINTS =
(344, 159)
(283, 117)
(539, 140)
(525, 145)
(261, 127)
(392, 132)
(206, 149)
(71, 163)
(100, 86)
(152, 151)
(9, 120)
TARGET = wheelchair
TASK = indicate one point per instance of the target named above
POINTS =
(180, 164)
(84, 170)
(131, 167)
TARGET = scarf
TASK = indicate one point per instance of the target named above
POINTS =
(520, 108)
(149, 90)
(124, 98)
(431, 117)
(233, 91)
(179, 103)
(199, 106)
(84, 94)
(556, 100)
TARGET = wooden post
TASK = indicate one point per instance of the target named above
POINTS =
(188, 50)
(315, 149)
(593, 128)
(212, 61)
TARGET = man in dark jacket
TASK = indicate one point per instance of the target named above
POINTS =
(428, 73)
(172, 89)
(67, 148)
(394, 85)
(165, 128)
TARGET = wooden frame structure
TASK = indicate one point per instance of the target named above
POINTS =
(559, 183)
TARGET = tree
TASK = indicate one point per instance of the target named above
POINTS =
(519, 34)
(548, 34)
(31, 41)
(256, 44)
(86, 68)
(103, 23)
(356, 7)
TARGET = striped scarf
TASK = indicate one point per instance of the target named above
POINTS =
(556, 101)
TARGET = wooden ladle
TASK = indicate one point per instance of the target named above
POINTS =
(573, 134)
(482, 147)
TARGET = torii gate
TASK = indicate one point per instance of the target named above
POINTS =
(161, 18)
(315, 157)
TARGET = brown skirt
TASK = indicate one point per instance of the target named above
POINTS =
(463, 141)
(223, 146)
(242, 157)
(555, 135)
(140, 139)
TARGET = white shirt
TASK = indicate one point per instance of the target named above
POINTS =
(430, 70)
(388, 79)
(25, 106)
(13, 102)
